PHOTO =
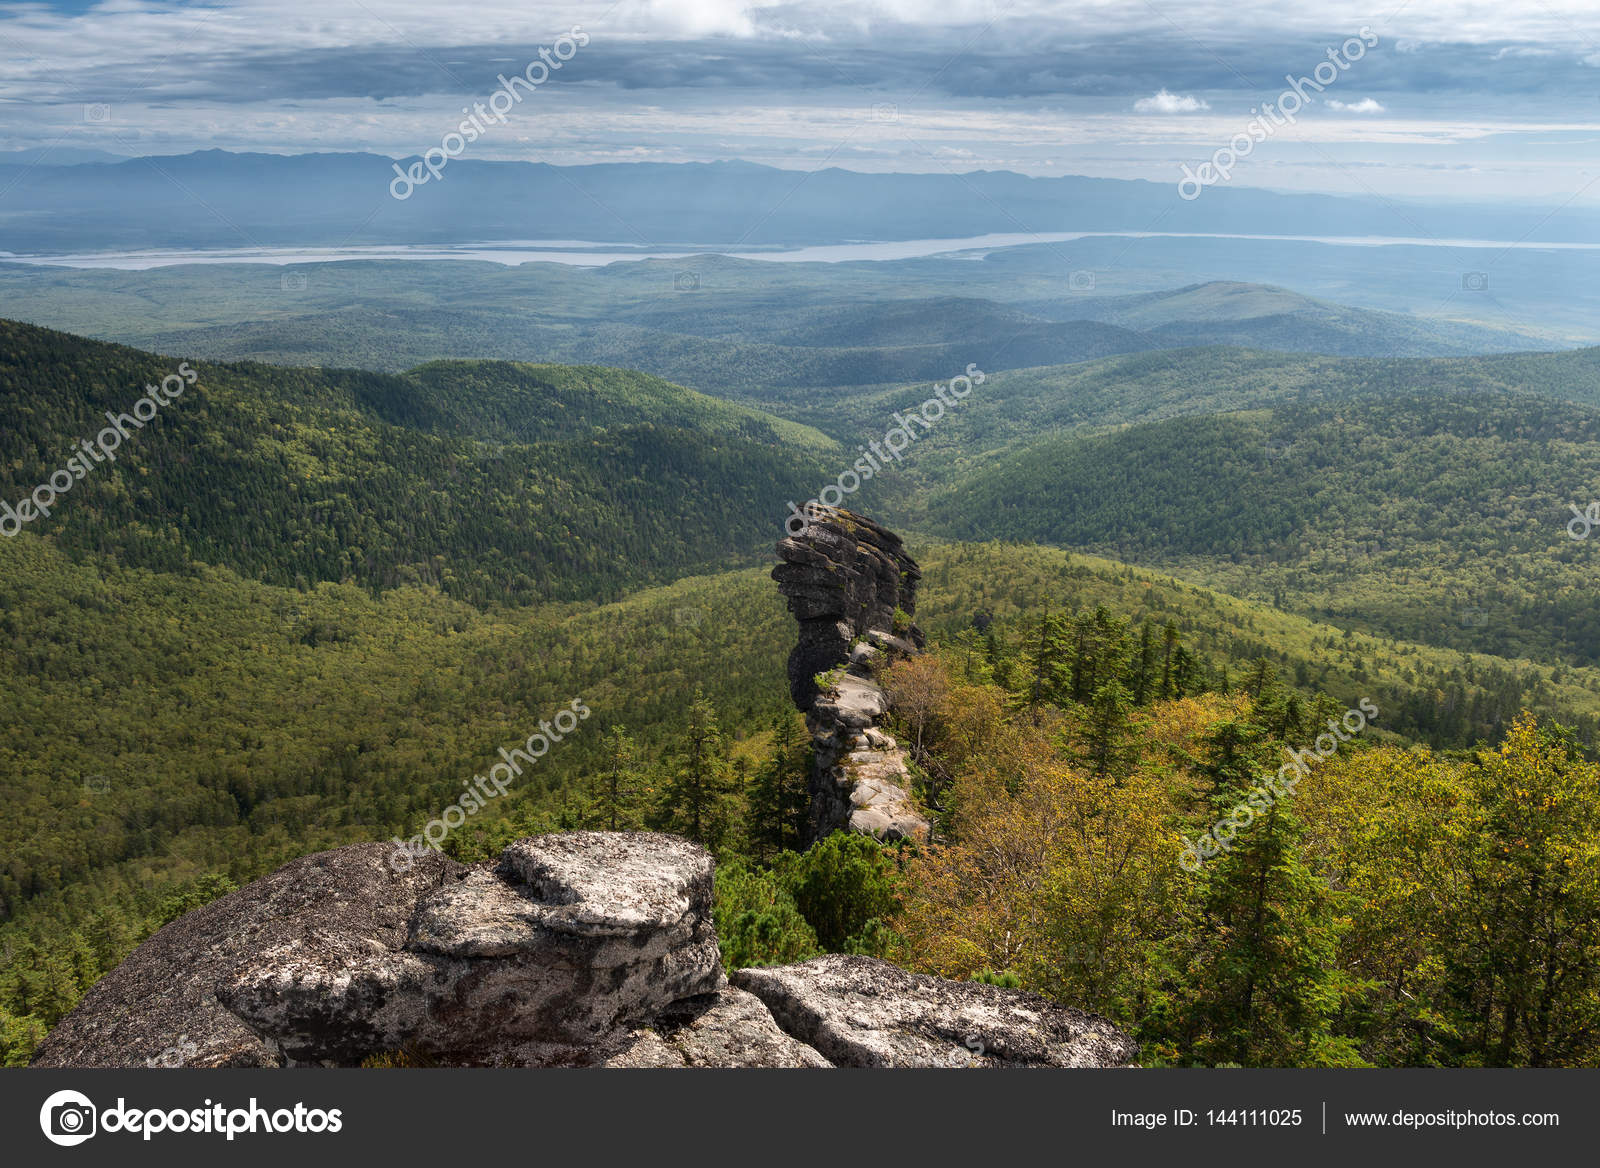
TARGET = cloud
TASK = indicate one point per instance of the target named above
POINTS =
(1169, 103)
(1365, 106)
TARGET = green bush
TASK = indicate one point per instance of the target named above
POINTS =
(757, 920)
(846, 886)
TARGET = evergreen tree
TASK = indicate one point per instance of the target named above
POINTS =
(1262, 987)
(615, 792)
(781, 793)
(1169, 650)
(1047, 662)
(1187, 675)
(1261, 680)
(1109, 751)
(1144, 677)
(698, 795)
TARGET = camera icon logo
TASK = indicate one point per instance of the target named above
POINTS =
(97, 111)
(688, 618)
(686, 282)
(1080, 282)
(885, 111)
(68, 1118)
(1474, 281)
(97, 785)
(293, 282)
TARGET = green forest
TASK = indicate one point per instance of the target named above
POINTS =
(499, 484)
(304, 604)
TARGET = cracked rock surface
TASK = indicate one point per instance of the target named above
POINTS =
(863, 1012)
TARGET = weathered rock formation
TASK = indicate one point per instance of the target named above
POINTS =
(579, 949)
(862, 1012)
(853, 590)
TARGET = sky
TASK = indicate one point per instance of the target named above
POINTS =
(1457, 99)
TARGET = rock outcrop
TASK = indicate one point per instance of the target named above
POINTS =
(731, 1028)
(577, 949)
(853, 590)
(862, 1012)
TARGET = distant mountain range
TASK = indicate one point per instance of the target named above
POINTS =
(756, 330)
(57, 156)
(215, 198)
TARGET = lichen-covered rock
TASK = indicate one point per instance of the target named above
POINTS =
(853, 589)
(730, 1028)
(337, 957)
(862, 1012)
(162, 1001)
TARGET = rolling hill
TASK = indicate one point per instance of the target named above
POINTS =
(1440, 518)
(498, 483)
(1264, 317)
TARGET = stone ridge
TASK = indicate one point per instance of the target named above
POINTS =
(852, 588)
(863, 1012)
(575, 949)
(843, 577)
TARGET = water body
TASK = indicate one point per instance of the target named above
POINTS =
(590, 254)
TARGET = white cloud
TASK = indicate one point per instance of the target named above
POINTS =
(1365, 106)
(1169, 103)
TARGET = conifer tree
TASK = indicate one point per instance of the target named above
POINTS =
(698, 794)
(1263, 986)
(1169, 649)
(616, 790)
(1109, 750)
(780, 795)
(1144, 666)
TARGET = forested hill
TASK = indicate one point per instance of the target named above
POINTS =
(498, 483)
(1017, 406)
(1440, 518)
(1260, 316)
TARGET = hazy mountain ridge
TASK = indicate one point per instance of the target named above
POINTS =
(342, 198)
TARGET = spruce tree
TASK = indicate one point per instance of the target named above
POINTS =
(780, 795)
(614, 803)
(1263, 986)
(697, 796)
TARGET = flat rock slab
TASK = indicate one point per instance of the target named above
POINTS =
(862, 1012)
(730, 1028)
